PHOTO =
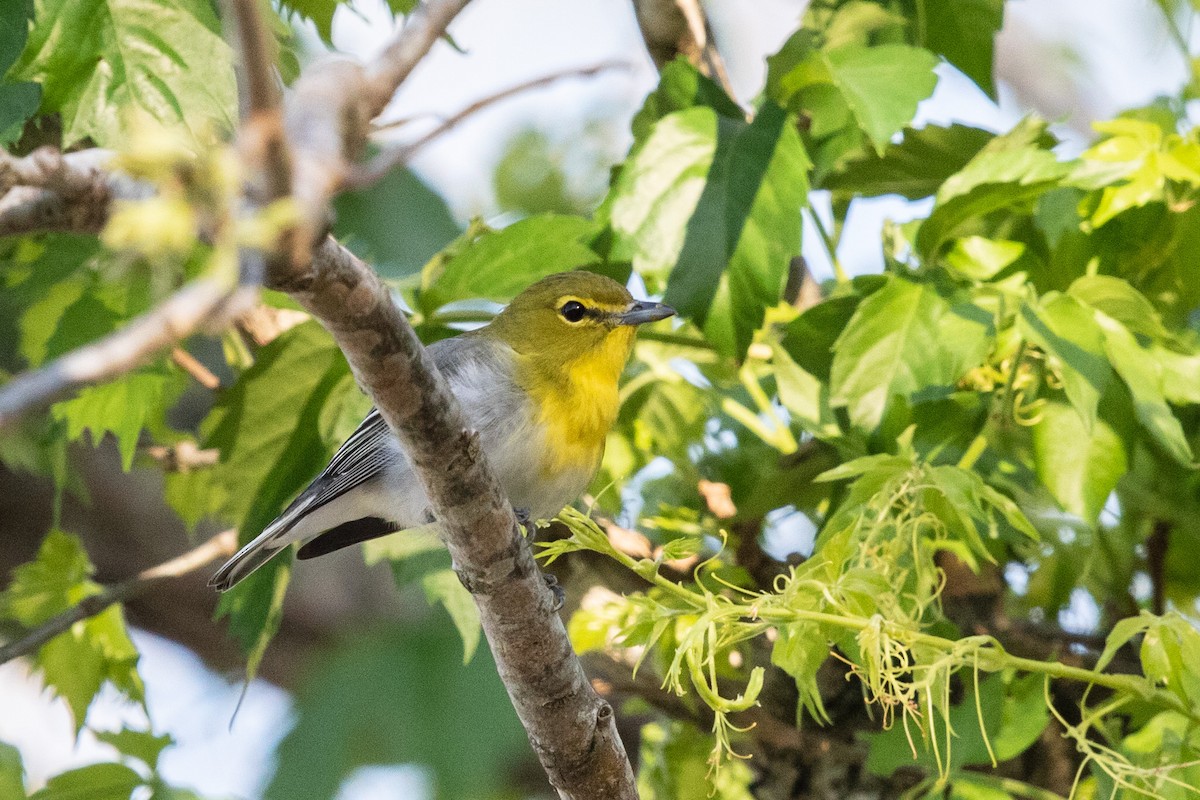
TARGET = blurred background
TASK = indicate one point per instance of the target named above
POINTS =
(547, 149)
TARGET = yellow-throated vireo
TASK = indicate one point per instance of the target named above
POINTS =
(538, 384)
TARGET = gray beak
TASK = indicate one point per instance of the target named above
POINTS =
(644, 311)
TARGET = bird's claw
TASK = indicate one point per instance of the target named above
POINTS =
(526, 522)
(560, 596)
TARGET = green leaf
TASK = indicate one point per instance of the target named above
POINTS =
(443, 586)
(319, 12)
(1011, 171)
(980, 259)
(964, 32)
(680, 86)
(890, 750)
(903, 339)
(122, 407)
(1023, 718)
(1142, 375)
(45, 586)
(675, 764)
(93, 782)
(883, 85)
(12, 773)
(400, 695)
(745, 229)
(499, 264)
(163, 58)
(395, 251)
(19, 100)
(1080, 468)
(1116, 298)
(914, 167)
(267, 427)
(1120, 635)
(805, 397)
(658, 188)
(142, 745)
(800, 651)
(810, 337)
(1066, 329)
(77, 663)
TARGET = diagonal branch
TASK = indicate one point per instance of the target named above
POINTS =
(571, 729)
(222, 545)
(385, 162)
(205, 304)
(674, 28)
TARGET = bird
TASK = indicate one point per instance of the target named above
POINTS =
(539, 386)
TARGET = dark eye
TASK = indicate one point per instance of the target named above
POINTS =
(572, 311)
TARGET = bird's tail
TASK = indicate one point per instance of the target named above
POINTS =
(245, 561)
(260, 550)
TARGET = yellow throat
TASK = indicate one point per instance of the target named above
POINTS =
(572, 334)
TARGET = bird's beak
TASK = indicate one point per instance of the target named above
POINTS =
(644, 311)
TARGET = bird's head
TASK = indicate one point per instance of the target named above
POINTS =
(574, 318)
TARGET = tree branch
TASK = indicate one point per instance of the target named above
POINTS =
(673, 28)
(203, 304)
(571, 729)
(385, 162)
(222, 545)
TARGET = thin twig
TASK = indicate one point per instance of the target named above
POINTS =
(424, 26)
(203, 304)
(222, 545)
(382, 164)
(189, 364)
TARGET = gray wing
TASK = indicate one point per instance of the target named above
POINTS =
(369, 450)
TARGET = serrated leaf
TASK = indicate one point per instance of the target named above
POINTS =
(163, 58)
(980, 259)
(499, 264)
(883, 85)
(267, 428)
(914, 167)
(93, 782)
(800, 651)
(1066, 329)
(121, 407)
(78, 662)
(903, 339)
(1121, 634)
(658, 189)
(142, 745)
(443, 587)
(805, 397)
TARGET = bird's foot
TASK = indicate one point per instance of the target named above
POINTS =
(560, 596)
(526, 522)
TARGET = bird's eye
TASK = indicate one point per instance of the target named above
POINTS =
(572, 311)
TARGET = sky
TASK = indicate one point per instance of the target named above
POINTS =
(1121, 58)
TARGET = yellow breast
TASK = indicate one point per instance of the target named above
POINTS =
(577, 404)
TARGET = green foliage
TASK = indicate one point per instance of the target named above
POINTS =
(1016, 395)
(77, 663)
(396, 251)
(400, 695)
(128, 58)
